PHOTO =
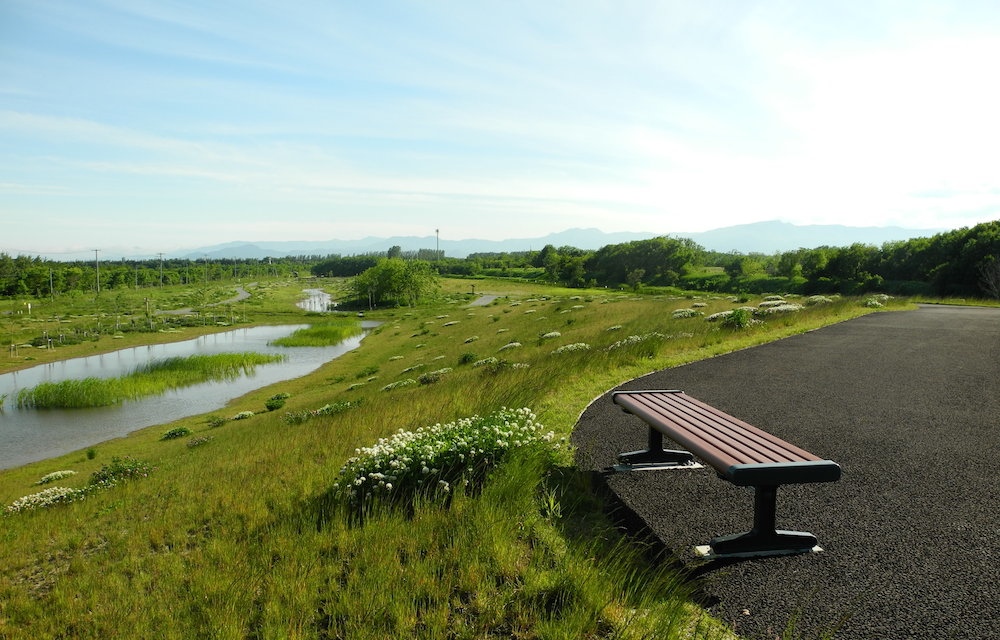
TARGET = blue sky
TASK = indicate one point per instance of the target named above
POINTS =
(139, 126)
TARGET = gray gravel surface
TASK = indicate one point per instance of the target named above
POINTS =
(909, 404)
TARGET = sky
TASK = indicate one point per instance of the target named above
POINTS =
(138, 126)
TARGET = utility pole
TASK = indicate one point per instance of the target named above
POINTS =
(98, 263)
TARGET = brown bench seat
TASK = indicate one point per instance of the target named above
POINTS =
(738, 451)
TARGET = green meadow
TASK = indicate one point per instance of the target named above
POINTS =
(258, 527)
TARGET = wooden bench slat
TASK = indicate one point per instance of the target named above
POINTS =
(743, 453)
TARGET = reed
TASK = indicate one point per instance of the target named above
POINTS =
(321, 335)
(151, 379)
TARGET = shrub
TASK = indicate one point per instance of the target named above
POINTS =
(433, 376)
(434, 461)
(568, 348)
(216, 421)
(176, 432)
(467, 357)
(739, 319)
(243, 415)
(399, 384)
(276, 401)
(120, 470)
(46, 498)
(330, 409)
(197, 442)
(56, 475)
(683, 313)
(783, 307)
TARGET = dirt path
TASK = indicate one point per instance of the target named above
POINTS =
(908, 404)
(241, 294)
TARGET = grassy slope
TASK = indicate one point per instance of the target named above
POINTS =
(222, 539)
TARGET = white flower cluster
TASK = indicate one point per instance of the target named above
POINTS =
(451, 323)
(568, 348)
(786, 307)
(485, 361)
(509, 345)
(399, 384)
(616, 327)
(395, 358)
(719, 316)
(243, 415)
(551, 334)
(811, 300)
(683, 313)
(419, 365)
(471, 339)
(877, 301)
(433, 459)
(767, 304)
(56, 475)
(46, 498)
(634, 340)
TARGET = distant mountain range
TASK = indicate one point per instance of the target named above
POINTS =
(758, 237)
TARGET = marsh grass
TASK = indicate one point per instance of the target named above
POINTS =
(234, 539)
(321, 335)
(150, 379)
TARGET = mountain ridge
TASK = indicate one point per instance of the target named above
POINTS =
(757, 237)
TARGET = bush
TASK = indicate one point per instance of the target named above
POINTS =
(176, 432)
(197, 442)
(46, 498)
(243, 415)
(684, 313)
(120, 470)
(739, 319)
(433, 461)
(274, 403)
(216, 421)
(56, 475)
(332, 409)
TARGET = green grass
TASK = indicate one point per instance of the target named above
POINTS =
(235, 538)
(321, 335)
(150, 379)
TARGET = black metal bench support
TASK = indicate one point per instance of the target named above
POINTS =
(654, 455)
(764, 539)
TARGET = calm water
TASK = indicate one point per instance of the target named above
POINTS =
(27, 435)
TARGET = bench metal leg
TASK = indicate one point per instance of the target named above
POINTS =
(764, 539)
(655, 455)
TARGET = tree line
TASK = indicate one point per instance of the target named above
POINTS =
(25, 276)
(962, 262)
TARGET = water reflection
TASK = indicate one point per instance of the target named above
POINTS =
(27, 435)
(318, 301)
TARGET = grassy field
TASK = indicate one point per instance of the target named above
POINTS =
(232, 534)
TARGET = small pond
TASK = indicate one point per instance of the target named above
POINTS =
(27, 435)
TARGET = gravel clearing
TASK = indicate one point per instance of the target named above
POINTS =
(908, 403)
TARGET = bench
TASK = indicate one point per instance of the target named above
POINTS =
(739, 452)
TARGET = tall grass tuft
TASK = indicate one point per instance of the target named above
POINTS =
(150, 379)
(321, 335)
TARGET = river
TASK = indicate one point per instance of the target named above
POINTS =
(27, 435)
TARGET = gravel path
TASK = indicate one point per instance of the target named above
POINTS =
(909, 404)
